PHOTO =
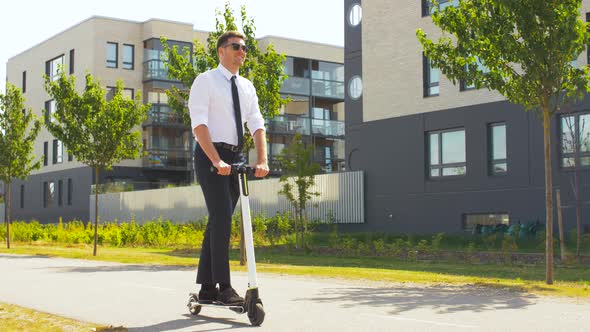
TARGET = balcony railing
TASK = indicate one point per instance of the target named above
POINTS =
(164, 115)
(296, 85)
(178, 159)
(330, 89)
(327, 127)
(289, 124)
(155, 70)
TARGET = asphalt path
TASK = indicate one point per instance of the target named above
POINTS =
(153, 298)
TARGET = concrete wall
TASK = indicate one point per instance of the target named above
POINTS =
(342, 197)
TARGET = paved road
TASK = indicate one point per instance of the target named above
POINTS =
(148, 298)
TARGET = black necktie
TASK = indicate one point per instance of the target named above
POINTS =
(237, 112)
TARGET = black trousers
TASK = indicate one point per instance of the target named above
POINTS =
(221, 196)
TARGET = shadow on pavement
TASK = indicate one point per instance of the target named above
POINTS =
(444, 299)
(190, 321)
(119, 268)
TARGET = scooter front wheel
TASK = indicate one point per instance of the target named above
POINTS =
(257, 315)
(193, 305)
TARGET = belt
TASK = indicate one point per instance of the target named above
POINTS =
(226, 146)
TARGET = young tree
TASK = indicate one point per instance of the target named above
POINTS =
(97, 132)
(527, 48)
(298, 177)
(265, 70)
(18, 130)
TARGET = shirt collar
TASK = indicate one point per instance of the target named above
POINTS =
(226, 73)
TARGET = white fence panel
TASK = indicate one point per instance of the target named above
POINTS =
(341, 199)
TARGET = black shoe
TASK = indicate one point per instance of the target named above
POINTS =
(230, 297)
(208, 296)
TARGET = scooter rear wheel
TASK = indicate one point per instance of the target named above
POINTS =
(257, 316)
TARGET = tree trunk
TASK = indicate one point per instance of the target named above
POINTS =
(578, 212)
(548, 197)
(96, 188)
(302, 228)
(7, 207)
(296, 222)
(560, 224)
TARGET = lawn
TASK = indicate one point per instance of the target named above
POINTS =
(570, 281)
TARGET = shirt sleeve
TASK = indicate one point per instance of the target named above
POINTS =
(198, 102)
(254, 116)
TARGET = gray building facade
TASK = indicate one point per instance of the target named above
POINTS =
(439, 157)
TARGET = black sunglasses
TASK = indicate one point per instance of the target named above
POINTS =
(237, 46)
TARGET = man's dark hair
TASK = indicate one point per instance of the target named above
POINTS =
(227, 35)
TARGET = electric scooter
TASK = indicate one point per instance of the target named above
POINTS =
(252, 304)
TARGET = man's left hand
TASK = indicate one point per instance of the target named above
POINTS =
(261, 170)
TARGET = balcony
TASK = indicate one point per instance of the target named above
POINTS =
(329, 89)
(162, 114)
(170, 159)
(156, 70)
(296, 85)
(288, 124)
(329, 128)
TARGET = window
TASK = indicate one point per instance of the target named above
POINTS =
(51, 108)
(127, 93)
(355, 14)
(355, 87)
(70, 156)
(428, 8)
(24, 87)
(52, 67)
(447, 153)
(431, 78)
(45, 153)
(48, 194)
(60, 188)
(70, 189)
(481, 68)
(112, 54)
(128, 56)
(58, 149)
(72, 61)
(575, 140)
(497, 148)
(22, 196)
(470, 221)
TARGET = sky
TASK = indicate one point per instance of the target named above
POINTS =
(25, 23)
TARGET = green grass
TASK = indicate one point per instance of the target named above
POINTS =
(571, 281)
(16, 318)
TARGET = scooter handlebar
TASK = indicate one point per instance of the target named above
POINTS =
(238, 168)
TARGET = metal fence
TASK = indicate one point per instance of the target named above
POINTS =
(2, 212)
(341, 200)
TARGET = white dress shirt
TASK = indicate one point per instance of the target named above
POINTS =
(211, 104)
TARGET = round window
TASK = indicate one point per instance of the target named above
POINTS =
(355, 87)
(355, 15)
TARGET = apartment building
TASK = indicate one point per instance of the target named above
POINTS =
(112, 49)
(440, 157)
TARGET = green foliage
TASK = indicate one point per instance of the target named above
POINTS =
(264, 69)
(18, 130)
(298, 177)
(522, 49)
(99, 133)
